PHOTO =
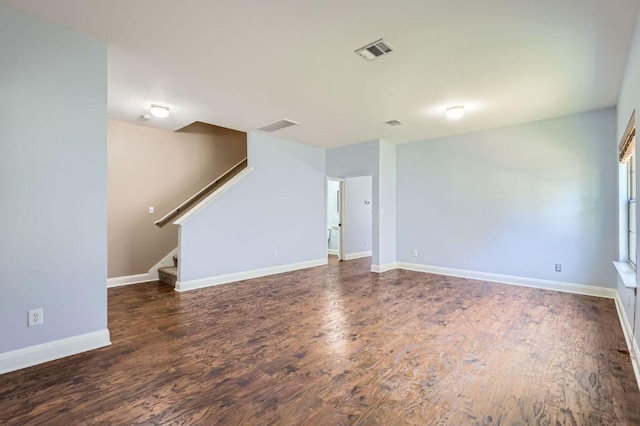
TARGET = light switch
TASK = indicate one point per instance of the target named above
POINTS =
(152, 210)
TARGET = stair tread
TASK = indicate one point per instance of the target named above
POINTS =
(169, 270)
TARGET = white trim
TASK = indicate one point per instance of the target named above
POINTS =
(632, 345)
(240, 276)
(152, 275)
(211, 197)
(352, 256)
(378, 269)
(627, 273)
(129, 279)
(45, 352)
(588, 290)
(340, 228)
(634, 362)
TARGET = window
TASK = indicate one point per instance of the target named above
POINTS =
(627, 149)
(631, 207)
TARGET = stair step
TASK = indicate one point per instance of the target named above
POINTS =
(175, 260)
(168, 275)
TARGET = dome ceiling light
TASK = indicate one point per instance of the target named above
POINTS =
(455, 112)
(159, 111)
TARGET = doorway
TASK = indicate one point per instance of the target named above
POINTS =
(335, 203)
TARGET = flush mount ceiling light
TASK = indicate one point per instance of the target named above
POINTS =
(455, 111)
(159, 111)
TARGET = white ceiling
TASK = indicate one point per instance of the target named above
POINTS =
(242, 63)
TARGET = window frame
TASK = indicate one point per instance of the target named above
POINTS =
(631, 210)
(627, 158)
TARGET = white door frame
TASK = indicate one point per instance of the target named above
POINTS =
(340, 213)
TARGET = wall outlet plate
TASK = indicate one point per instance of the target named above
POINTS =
(36, 317)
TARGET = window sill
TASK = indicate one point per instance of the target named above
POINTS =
(627, 273)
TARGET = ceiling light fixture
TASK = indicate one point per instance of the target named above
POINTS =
(159, 111)
(455, 111)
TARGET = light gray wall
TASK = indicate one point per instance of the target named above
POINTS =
(628, 102)
(53, 181)
(357, 214)
(629, 99)
(353, 160)
(387, 204)
(280, 206)
(361, 159)
(514, 200)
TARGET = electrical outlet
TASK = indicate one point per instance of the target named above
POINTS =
(558, 267)
(36, 317)
(275, 254)
(366, 242)
(415, 253)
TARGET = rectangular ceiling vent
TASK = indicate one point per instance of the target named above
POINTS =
(374, 50)
(277, 125)
(394, 123)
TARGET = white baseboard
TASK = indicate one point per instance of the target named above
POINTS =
(351, 256)
(332, 252)
(384, 268)
(129, 279)
(632, 345)
(634, 362)
(587, 290)
(152, 275)
(45, 352)
(240, 276)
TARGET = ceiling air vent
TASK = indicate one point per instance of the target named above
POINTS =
(394, 123)
(374, 50)
(277, 125)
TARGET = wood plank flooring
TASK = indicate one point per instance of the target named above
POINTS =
(340, 345)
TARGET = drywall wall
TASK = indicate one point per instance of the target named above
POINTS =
(150, 167)
(365, 159)
(629, 99)
(279, 207)
(386, 207)
(357, 215)
(354, 160)
(628, 102)
(515, 200)
(53, 181)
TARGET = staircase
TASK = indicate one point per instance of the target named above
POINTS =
(203, 193)
(169, 274)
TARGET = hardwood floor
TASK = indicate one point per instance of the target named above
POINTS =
(340, 345)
